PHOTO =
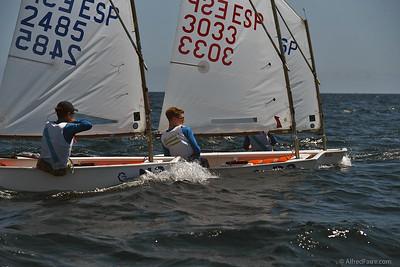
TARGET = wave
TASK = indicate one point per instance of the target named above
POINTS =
(386, 155)
(6, 194)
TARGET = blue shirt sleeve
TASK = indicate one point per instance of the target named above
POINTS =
(187, 131)
(75, 127)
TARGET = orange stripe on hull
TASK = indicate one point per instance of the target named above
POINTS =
(7, 163)
(271, 160)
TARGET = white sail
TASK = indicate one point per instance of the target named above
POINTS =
(302, 83)
(75, 51)
(224, 70)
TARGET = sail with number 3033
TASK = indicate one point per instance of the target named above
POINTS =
(89, 54)
(244, 66)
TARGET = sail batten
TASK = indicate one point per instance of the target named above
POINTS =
(75, 51)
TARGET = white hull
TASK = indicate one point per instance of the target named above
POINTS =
(89, 173)
(242, 163)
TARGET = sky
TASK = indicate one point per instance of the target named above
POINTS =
(356, 42)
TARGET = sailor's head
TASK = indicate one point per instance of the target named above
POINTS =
(175, 115)
(65, 110)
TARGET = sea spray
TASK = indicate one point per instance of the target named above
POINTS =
(189, 172)
(182, 171)
(343, 164)
(6, 194)
(346, 161)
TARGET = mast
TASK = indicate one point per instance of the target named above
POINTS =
(144, 85)
(142, 67)
(321, 112)
(285, 70)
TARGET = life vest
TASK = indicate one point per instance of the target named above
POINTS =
(55, 150)
(177, 143)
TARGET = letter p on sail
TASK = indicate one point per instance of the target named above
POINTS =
(278, 122)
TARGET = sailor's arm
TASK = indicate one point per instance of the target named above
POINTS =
(192, 140)
(77, 126)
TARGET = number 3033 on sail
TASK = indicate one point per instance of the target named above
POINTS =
(210, 29)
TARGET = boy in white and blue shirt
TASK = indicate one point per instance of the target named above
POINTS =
(178, 139)
(58, 139)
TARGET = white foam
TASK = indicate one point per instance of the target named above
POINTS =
(339, 233)
(324, 167)
(182, 171)
(6, 194)
(346, 161)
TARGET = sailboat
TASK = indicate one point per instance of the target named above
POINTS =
(80, 51)
(241, 67)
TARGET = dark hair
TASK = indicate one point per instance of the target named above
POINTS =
(173, 112)
(65, 107)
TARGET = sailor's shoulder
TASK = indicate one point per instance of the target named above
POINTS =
(185, 127)
(55, 124)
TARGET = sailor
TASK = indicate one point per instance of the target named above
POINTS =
(179, 139)
(58, 138)
(259, 142)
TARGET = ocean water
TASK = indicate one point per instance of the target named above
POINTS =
(346, 216)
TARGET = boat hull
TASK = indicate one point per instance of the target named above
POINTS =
(89, 173)
(243, 163)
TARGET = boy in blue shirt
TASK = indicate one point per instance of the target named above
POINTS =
(58, 139)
